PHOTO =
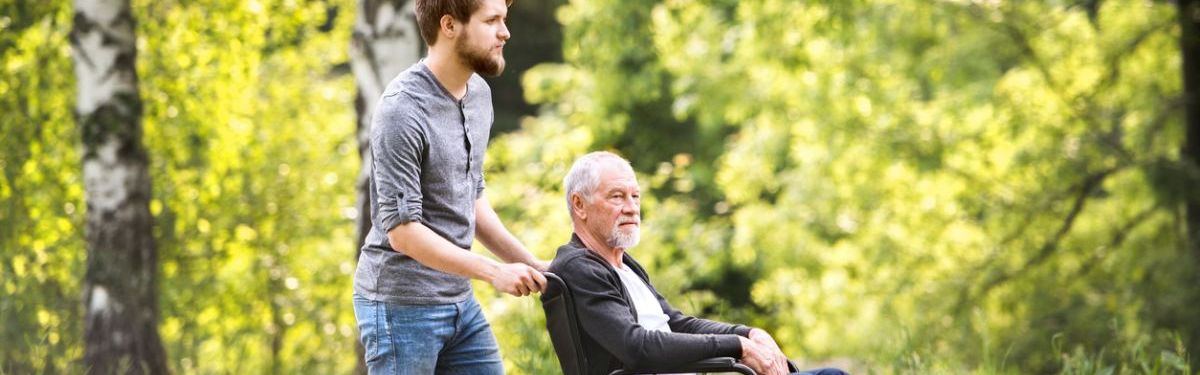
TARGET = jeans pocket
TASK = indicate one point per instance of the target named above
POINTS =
(368, 315)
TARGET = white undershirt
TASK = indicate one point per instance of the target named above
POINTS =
(650, 313)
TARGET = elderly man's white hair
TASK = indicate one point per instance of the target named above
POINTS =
(584, 176)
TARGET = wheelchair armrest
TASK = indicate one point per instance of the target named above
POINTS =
(715, 364)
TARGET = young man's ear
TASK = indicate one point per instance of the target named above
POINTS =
(447, 26)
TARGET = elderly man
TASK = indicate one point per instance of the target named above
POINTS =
(625, 321)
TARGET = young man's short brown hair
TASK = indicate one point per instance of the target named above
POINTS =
(430, 12)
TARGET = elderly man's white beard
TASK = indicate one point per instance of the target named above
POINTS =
(623, 239)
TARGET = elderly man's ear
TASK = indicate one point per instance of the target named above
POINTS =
(577, 206)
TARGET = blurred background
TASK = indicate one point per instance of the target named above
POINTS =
(889, 186)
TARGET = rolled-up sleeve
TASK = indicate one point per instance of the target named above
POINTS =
(397, 148)
(479, 185)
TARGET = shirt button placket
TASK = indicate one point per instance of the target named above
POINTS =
(462, 108)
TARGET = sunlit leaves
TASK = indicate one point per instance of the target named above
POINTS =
(900, 180)
(256, 181)
(41, 195)
(928, 187)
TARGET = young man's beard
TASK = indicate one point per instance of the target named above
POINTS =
(479, 61)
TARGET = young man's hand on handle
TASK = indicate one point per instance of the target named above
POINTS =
(518, 279)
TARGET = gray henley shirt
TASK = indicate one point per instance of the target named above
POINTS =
(427, 153)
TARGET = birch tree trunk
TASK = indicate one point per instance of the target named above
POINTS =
(120, 287)
(385, 41)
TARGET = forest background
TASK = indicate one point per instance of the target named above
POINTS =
(889, 186)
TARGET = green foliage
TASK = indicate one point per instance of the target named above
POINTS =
(41, 193)
(911, 186)
(253, 158)
(888, 186)
(1141, 355)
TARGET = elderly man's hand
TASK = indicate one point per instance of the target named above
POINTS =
(761, 358)
(764, 339)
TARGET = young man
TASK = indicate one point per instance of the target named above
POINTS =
(626, 323)
(413, 301)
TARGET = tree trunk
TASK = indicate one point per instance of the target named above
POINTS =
(384, 43)
(1189, 43)
(120, 287)
(1189, 24)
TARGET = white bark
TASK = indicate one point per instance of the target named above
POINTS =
(105, 177)
(108, 35)
(385, 42)
(120, 286)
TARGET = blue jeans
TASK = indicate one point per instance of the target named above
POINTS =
(427, 339)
